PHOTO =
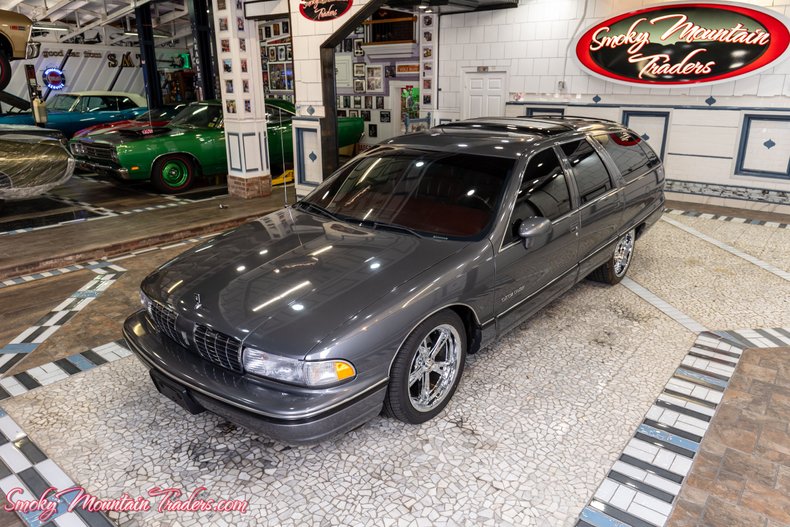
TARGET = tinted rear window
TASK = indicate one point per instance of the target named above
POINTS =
(625, 150)
(590, 173)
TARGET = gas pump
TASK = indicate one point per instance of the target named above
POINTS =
(36, 100)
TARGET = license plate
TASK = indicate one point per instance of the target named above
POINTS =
(176, 393)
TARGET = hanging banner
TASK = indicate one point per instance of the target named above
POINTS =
(686, 43)
(324, 10)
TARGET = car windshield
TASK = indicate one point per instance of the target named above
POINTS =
(199, 116)
(161, 114)
(62, 102)
(442, 194)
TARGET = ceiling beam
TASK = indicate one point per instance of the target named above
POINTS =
(104, 20)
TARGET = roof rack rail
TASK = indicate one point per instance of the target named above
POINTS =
(566, 116)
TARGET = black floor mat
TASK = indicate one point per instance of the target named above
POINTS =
(42, 221)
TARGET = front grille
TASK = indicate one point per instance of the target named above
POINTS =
(218, 348)
(165, 320)
(97, 151)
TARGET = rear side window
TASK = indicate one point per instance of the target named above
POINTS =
(624, 149)
(543, 192)
(592, 178)
(125, 103)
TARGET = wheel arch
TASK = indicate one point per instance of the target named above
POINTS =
(190, 155)
(5, 47)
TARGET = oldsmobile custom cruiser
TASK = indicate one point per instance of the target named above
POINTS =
(368, 294)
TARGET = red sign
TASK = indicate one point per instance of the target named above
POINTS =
(324, 10)
(681, 44)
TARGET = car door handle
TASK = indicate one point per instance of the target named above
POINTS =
(575, 229)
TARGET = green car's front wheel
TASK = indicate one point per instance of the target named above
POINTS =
(173, 173)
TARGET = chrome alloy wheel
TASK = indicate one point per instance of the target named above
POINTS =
(623, 253)
(434, 368)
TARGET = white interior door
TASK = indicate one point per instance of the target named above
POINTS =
(484, 94)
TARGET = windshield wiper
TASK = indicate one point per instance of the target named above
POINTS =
(396, 227)
(319, 209)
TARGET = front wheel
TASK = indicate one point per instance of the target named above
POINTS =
(427, 369)
(614, 270)
(5, 71)
(173, 173)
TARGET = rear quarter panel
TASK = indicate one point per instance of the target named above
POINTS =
(349, 130)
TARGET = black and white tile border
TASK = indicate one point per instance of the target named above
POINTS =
(35, 335)
(641, 487)
(759, 195)
(731, 219)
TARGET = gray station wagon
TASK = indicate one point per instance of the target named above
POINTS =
(368, 293)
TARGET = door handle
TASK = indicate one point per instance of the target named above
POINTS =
(575, 229)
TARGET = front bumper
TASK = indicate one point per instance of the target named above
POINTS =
(292, 415)
(105, 170)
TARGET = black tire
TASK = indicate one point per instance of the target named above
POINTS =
(5, 71)
(173, 173)
(398, 402)
(617, 266)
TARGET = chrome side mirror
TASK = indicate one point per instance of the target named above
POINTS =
(536, 232)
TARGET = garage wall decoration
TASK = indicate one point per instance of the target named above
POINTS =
(324, 10)
(681, 44)
(429, 28)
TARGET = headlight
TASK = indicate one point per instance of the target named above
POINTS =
(77, 149)
(145, 301)
(114, 155)
(318, 373)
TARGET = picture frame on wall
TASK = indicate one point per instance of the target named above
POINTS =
(227, 65)
(221, 5)
(342, 113)
(239, 23)
(244, 65)
(380, 102)
(427, 36)
(225, 45)
(242, 44)
(369, 102)
(346, 101)
(427, 100)
(353, 113)
(272, 51)
(385, 117)
(245, 86)
(228, 86)
(358, 51)
(427, 68)
(427, 84)
(348, 45)
(427, 52)
(223, 24)
(427, 20)
(288, 52)
(374, 75)
(247, 106)
(230, 106)
(357, 101)
(275, 30)
(373, 130)
(365, 114)
(359, 69)
(281, 54)
(389, 71)
(267, 31)
(285, 27)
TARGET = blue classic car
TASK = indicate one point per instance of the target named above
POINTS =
(70, 112)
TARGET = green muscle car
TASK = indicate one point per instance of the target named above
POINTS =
(192, 145)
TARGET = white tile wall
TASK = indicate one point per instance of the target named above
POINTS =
(532, 43)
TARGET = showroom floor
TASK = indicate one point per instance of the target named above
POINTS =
(595, 407)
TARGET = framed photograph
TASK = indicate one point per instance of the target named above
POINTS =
(267, 31)
(379, 102)
(245, 86)
(427, 52)
(285, 27)
(275, 30)
(373, 130)
(389, 71)
(281, 76)
(281, 53)
(427, 21)
(242, 44)
(348, 45)
(247, 106)
(228, 86)
(221, 5)
(342, 113)
(230, 106)
(358, 51)
(359, 69)
(427, 67)
(384, 117)
(365, 114)
(369, 102)
(227, 65)
(272, 53)
(244, 65)
(357, 101)
(359, 85)
(353, 113)
(288, 52)
(375, 78)
(239, 23)
(346, 101)
(225, 45)
(427, 36)
(426, 100)
(223, 24)
(427, 84)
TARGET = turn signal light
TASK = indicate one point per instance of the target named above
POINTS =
(343, 370)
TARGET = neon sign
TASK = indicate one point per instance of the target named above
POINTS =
(54, 78)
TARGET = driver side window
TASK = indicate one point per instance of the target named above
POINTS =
(543, 193)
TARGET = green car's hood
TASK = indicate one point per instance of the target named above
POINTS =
(142, 133)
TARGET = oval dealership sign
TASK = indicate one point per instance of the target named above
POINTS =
(684, 43)
(323, 10)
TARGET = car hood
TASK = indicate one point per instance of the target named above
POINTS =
(124, 134)
(286, 280)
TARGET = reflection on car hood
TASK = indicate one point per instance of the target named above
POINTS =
(122, 135)
(284, 281)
